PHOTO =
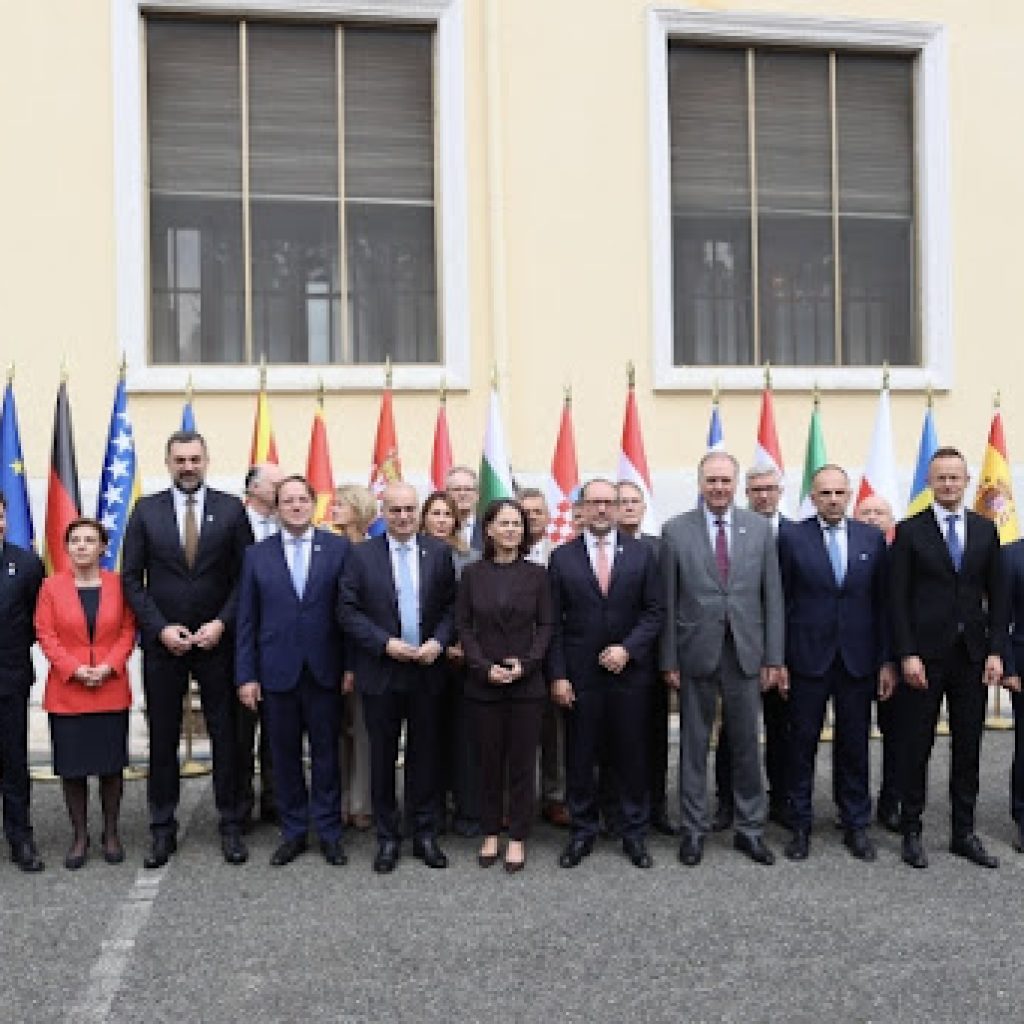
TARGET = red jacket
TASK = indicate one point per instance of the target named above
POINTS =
(64, 638)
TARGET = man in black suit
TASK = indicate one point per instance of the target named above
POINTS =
(397, 611)
(21, 576)
(949, 619)
(182, 559)
(608, 611)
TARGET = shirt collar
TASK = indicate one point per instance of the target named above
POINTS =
(611, 537)
(181, 496)
(712, 517)
(305, 537)
(839, 527)
(394, 544)
(942, 514)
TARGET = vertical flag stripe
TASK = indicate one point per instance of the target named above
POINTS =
(63, 500)
(13, 481)
(119, 477)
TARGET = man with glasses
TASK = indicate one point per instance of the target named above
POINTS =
(462, 486)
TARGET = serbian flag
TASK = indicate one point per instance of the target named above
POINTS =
(264, 447)
(994, 497)
(562, 485)
(441, 454)
(767, 450)
(387, 466)
(318, 466)
(879, 479)
(633, 459)
(63, 501)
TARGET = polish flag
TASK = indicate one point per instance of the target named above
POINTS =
(879, 479)
(633, 460)
(563, 484)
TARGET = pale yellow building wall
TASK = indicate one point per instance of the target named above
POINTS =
(574, 219)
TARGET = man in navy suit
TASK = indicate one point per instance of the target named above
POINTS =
(397, 611)
(608, 612)
(183, 550)
(1013, 572)
(290, 657)
(949, 623)
(834, 580)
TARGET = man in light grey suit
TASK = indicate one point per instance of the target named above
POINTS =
(723, 636)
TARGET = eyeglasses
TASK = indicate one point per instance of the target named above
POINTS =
(601, 501)
(401, 510)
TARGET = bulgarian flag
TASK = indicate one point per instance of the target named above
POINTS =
(441, 454)
(562, 485)
(63, 501)
(495, 473)
(814, 459)
(633, 458)
(994, 497)
(264, 447)
(879, 479)
(318, 464)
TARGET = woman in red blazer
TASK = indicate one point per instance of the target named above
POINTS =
(87, 632)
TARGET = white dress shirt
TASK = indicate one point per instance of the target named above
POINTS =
(263, 526)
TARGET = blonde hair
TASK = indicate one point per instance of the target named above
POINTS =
(361, 500)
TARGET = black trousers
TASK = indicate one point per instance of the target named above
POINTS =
(1017, 766)
(775, 716)
(15, 783)
(165, 679)
(958, 679)
(619, 717)
(851, 700)
(508, 737)
(247, 725)
(887, 715)
(419, 708)
(460, 753)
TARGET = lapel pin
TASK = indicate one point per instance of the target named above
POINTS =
(10, 569)
(863, 556)
(209, 519)
(742, 529)
(316, 547)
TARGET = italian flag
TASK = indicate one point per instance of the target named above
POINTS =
(814, 459)
(495, 473)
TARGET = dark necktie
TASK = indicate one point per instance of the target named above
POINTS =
(191, 544)
(722, 551)
(956, 551)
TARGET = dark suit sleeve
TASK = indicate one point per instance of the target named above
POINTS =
(355, 623)
(998, 603)
(669, 654)
(543, 627)
(880, 597)
(647, 628)
(901, 558)
(555, 667)
(36, 574)
(133, 575)
(444, 630)
(248, 623)
(475, 659)
(238, 540)
(1010, 597)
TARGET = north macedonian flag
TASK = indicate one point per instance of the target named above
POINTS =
(63, 500)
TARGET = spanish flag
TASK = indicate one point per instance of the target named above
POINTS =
(994, 497)
(63, 501)
(264, 447)
(318, 465)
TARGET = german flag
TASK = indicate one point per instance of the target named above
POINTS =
(63, 500)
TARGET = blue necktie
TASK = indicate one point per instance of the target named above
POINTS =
(835, 556)
(956, 551)
(299, 567)
(408, 605)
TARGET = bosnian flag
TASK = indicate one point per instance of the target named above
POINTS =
(562, 486)
(879, 479)
(495, 471)
(633, 460)
(767, 451)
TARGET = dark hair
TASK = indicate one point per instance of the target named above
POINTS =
(295, 478)
(947, 451)
(491, 513)
(184, 437)
(251, 476)
(455, 540)
(86, 521)
(3, 500)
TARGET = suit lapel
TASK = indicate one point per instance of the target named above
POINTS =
(699, 523)
(383, 559)
(934, 537)
(819, 551)
(618, 562)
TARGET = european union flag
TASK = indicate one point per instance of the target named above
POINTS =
(12, 475)
(119, 480)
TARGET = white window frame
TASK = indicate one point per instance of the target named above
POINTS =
(932, 171)
(131, 201)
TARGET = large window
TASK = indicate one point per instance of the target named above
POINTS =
(291, 193)
(793, 229)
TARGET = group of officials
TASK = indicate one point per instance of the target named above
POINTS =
(565, 652)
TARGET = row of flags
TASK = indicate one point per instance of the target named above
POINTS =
(120, 478)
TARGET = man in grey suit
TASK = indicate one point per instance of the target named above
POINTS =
(723, 636)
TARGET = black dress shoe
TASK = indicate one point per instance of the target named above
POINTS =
(860, 844)
(160, 852)
(755, 848)
(26, 856)
(112, 853)
(334, 852)
(691, 850)
(1018, 842)
(636, 851)
(429, 852)
(723, 817)
(233, 848)
(661, 823)
(972, 849)
(288, 851)
(575, 850)
(913, 851)
(888, 816)
(387, 857)
(779, 813)
(74, 861)
(799, 846)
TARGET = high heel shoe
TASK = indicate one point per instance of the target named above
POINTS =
(73, 861)
(487, 860)
(513, 866)
(112, 856)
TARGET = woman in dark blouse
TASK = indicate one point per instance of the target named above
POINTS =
(87, 632)
(504, 619)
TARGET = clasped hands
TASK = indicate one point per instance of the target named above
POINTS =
(916, 677)
(426, 654)
(179, 640)
(93, 675)
(613, 658)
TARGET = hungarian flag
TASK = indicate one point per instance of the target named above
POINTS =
(920, 493)
(386, 466)
(264, 447)
(441, 454)
(814, 459)
(63, 501)
(495, 471)
(318, 466)
(563, 483)
(633, 458)
(12, 475)
(879, 479)
(767, 450)
(994, 497)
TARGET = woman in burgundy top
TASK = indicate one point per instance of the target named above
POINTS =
(504, 620)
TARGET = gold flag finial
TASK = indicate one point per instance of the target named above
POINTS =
(10, 373)
(767, 375)
(442, 391)
(631, 374)
(817, 396)
(885, 375)
(188, 389)
(997, 401)
(929, 395)
(388, 372)
(567, 394)
(122, 370)
(64, 370)
(320, 392)
(714, 392)
(494, 377)
(263, 373)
